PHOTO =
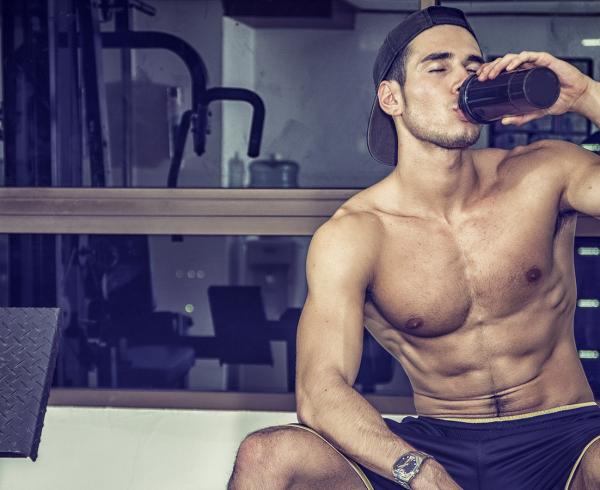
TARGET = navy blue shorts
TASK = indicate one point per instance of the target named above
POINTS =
(524, 452)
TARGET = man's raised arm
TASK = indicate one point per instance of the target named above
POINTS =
(340, 263)
(578, 93)
(582, 178)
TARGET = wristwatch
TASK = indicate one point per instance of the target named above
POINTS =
(408, 466)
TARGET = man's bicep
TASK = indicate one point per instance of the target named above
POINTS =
(582, 180)
(330, 332)
(330, 336)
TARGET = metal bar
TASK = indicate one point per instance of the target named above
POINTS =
(123, 25)
(182, 131)
(28, 64)
(484, 7)
(12, 79)
(93, 81)
(162, 40)
(66, 104)
(179, 211)
(485, 13)
(208, 401)
(26, 93)
(240, 94)
(167, 211)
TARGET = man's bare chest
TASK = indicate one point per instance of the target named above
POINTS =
(432, 276)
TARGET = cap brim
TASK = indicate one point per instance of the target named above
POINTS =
(381, 136)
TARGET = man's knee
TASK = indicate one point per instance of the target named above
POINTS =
(262, 456)
(262, 448)
(278, 456)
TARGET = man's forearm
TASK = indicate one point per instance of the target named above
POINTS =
(589, 103)
(352, 424)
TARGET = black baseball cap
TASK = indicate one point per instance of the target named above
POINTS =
(381, 133)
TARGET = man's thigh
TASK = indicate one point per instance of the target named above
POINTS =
(587, 474)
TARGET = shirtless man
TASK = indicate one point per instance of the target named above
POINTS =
(460, 263)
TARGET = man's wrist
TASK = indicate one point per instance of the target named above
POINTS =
(588, 104)
(429, 473)
(408, 466)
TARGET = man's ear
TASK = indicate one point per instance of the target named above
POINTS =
(390, 99)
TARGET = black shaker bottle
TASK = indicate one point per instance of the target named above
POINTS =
(511, 93)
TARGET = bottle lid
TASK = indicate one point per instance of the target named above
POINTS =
(541, 87)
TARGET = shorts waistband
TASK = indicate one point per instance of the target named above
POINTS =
(507, 418)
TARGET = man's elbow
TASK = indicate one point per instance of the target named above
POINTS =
(313, 396)
(302, 416)
(303, 408)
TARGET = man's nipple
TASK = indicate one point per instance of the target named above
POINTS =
(533, 274)
(414, 323)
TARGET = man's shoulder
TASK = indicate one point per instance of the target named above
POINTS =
(563, 151)
(353, 220)
(546, 150)
(540, 158)
(354, 225)
(347, 243)
(553, 158)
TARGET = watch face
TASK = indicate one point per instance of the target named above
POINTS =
(406, 468)
(410, 465)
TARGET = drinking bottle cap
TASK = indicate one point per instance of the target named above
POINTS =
(542, 87)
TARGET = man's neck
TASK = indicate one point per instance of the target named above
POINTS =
(437, 180)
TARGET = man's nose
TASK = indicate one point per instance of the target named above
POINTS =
(461, 76)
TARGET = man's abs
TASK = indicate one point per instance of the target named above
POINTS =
(488, 370)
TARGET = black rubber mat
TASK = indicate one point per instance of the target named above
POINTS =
(29, 339)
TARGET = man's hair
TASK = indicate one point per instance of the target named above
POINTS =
(397, 71)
